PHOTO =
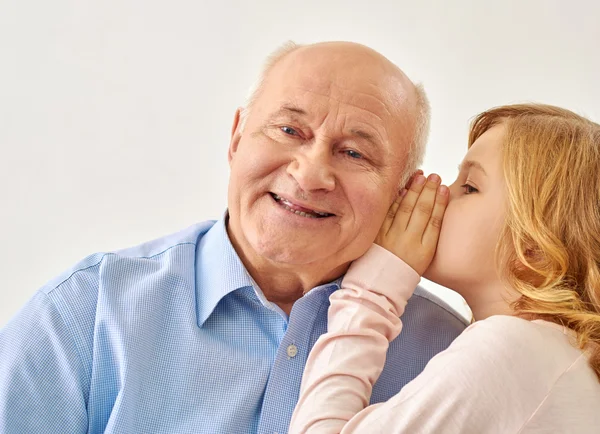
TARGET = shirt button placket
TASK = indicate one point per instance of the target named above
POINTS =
(292, 350)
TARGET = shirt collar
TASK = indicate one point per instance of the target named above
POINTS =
(219, 270)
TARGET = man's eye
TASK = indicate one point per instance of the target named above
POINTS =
(289, 131)
(469, 189)
(353, 154)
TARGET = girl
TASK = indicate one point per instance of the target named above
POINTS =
(520, 241)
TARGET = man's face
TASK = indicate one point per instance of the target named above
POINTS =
(319, 160)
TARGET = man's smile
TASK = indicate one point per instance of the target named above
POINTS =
(300, 209)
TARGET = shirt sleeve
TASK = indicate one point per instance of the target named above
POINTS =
(41, 386)
(462, 389)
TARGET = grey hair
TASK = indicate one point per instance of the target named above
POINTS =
(416, 151)
(255, 90)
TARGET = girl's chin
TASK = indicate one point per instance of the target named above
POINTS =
(431, 273)
(438, 276)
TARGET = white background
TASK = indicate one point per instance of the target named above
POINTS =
(115, 115)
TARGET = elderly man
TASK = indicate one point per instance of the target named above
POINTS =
(208, 330)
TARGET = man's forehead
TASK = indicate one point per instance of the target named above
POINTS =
(341, 79)
(372, 92)
(313, 94)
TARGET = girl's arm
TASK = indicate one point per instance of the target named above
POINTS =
(364, 315)
(346, 361)
(472, 387)
(485, 382)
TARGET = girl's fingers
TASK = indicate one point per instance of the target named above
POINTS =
(389, 218)
(412, 226)
(424, 205)
(387, 223)
(432, 232)
(407, 205)
(412, 178)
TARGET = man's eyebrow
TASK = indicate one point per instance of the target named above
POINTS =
(289, 109)
(364, 135)
(468, 164)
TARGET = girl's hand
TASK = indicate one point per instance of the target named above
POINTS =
(412, 226)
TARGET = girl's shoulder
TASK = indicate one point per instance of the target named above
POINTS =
(516, 342)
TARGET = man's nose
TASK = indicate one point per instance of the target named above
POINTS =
(312, 169)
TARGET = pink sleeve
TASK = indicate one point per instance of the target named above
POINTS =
(345, 362)
(476, 385)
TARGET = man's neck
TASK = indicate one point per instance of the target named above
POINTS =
(284, 288)
(283, 284)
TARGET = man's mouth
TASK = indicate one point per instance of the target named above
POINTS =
(300, 210)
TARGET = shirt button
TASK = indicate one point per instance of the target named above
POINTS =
(292, 350)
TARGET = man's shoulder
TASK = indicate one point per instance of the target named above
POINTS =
(431, 310)
(429, 326)
(88, 269)
(138, 274)
(149, 249)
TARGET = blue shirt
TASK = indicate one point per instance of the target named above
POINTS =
(173, 336)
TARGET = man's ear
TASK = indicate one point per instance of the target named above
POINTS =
(236, 134)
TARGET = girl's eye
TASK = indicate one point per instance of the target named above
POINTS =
(289, 131)
(353, 154)
(469, 189)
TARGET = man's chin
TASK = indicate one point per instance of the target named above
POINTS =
(288, 253)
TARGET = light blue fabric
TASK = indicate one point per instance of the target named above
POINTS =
(173, 337)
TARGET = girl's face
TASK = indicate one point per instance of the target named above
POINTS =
(465, 257)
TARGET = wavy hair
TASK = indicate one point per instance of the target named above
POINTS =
(549, 250)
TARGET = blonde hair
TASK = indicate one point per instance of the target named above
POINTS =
(549, 250)
(416, 150)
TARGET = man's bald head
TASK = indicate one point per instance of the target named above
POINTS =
(329, 135)
(407, 98)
